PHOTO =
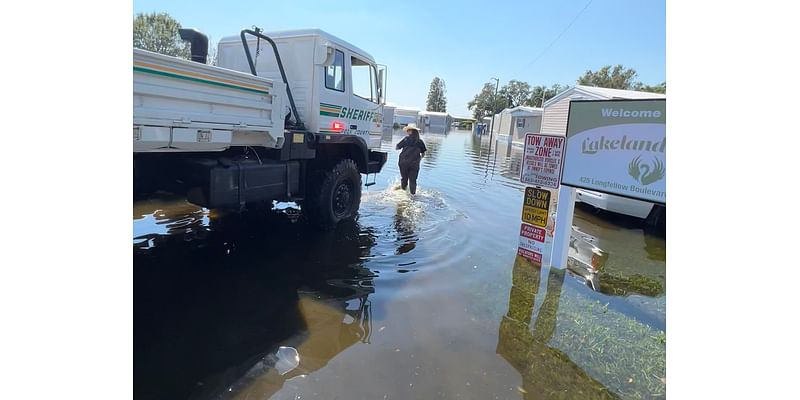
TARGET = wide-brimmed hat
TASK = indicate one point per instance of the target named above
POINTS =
(410, 127)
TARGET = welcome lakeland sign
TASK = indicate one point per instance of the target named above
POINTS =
(618, 147)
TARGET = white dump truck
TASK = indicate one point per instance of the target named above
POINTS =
(283, 116)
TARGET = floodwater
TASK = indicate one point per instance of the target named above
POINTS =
(421, 297)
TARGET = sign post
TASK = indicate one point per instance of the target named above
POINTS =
(564, 214)
(541, 167)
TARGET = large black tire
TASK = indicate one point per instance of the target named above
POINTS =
(335, 195)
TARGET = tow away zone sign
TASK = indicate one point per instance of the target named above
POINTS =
(542, 160)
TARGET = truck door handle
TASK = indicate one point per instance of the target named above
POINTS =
(354, 127)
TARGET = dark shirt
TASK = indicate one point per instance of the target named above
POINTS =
(411, 150)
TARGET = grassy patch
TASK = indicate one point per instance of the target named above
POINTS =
(627, 356)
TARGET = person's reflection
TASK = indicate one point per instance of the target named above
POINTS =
(546, 372)
(405, 225)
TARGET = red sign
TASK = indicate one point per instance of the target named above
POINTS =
(532, 232)
(531, 242)
(542, 160)
(535, 257)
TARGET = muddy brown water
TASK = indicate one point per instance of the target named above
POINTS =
(421, 297)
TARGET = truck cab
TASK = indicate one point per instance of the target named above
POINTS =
(337, 87)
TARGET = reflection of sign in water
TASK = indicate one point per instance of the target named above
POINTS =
(542, 160)
(531, 240)
(535, 257)
(618, 147)
(536, 206)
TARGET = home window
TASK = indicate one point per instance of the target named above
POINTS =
(334, 73)
(521, 123)
(364, 82)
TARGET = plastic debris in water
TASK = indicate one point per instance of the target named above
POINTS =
(288, 359)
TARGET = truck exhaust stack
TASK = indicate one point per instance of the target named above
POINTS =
(198, 43)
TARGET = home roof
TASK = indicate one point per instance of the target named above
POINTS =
(442, 114)
(599, 93)
(522, 111)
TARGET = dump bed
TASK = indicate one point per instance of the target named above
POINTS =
(184, 106)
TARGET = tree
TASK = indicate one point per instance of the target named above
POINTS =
(618, 78)
(660, 88)
(516, 93)
(486, 103)
(540, 94)
(159, 33)
(437, 101)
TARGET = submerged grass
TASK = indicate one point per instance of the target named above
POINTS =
(627, 356)
(573, 346)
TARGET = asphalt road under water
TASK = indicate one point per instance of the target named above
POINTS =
(421, 297)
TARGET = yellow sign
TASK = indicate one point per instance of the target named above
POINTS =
(297, 138)
(536, 206)
(534, 216)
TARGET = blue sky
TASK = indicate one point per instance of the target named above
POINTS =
(463, 42)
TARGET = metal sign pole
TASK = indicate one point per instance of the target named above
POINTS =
(563, 228)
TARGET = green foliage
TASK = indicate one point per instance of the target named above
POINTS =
(618, 78)
(540, 94)
(158, 32)
(437, 101)
(516, 93)
(660, 88)
(485, 103)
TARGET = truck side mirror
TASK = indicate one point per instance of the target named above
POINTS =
(382, 85)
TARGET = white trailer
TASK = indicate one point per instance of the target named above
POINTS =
(388, 119)
(286, 116)
(434, 122)
(405, 115)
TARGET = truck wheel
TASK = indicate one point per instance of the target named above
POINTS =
(337, 195)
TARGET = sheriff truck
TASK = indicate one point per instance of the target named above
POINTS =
(289, 116)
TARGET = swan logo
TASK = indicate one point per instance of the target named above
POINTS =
(646, 173)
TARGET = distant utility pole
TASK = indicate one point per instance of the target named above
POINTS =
(494, 105)
(544, 91)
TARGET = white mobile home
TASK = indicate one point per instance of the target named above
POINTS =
(406, 115)
(498, 121)
(556, 110)
(388, 118)
(516, 122)
(434, 122)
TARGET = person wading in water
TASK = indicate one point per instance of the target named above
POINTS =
(413, 149)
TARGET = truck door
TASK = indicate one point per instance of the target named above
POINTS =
(334, 97)
(367, 116)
